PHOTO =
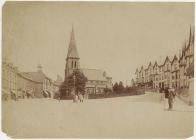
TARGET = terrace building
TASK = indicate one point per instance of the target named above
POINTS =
(172, 73)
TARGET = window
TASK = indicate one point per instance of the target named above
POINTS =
(72, 64)
(175, 67)
(75, 64)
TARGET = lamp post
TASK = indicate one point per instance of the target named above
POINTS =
(74, 78)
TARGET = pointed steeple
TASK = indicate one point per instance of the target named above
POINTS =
(72, 51)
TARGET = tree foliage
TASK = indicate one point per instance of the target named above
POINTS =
(121, 87)
(118, 87)
(63, 89)
(79, 83)
(115, 87)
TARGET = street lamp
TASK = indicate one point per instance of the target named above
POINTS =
(74, 78)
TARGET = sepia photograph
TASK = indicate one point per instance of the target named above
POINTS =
(97, 70)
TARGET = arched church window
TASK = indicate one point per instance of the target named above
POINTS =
(75, 64)
(72, 64)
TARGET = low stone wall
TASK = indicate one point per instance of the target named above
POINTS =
(112, 95)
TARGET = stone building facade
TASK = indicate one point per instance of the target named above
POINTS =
(37, 83)
(9, 79)
(172, 72)
(16, 84)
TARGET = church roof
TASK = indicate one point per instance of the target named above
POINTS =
(72, 51)
(94, 74)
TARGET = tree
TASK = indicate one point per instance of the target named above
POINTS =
(63, 89)
(107, 90)
(120, 87)
(115, 87)
(78, 81)
(127, 88)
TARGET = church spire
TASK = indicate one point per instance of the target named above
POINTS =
(72, 51)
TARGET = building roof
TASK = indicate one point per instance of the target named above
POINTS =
(175, 58)
(72, 51)
(58, 81)
(182, 52)
(190, 70)
(35, 76)
(94, 74)
(142, 68)
(136, 71)
(191, 38)
(166, 59)
(150, 64)
(155, 64)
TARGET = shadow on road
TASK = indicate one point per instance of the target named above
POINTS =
(176, 110)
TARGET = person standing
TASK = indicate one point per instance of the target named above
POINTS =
(75, 98)
(171, 96)
(80, 97)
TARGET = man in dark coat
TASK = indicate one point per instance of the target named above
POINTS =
(171, 96)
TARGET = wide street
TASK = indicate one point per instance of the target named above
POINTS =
(142, 116)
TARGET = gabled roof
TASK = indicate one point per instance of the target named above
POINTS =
(150, 64)
(191, 38)
(175, 58)
(166, 59)
(72, 51)
(190, 70)
(136, 71)
(94, 74)
(141, 68)
(155, 64)
(35, 76)
(183, 51)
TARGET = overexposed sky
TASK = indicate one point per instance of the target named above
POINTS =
(115, 37)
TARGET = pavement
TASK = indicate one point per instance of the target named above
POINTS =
(142, 116)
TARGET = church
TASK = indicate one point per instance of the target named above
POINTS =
(98, 80)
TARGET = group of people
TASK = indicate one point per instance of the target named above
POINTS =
(169, 93)
(77, 98)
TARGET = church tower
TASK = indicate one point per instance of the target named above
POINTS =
(72, 60)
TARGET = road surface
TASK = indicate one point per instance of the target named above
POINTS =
(142, 116)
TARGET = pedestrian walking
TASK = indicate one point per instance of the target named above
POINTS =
(59, 98)
(171, 97)
(166, 93)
